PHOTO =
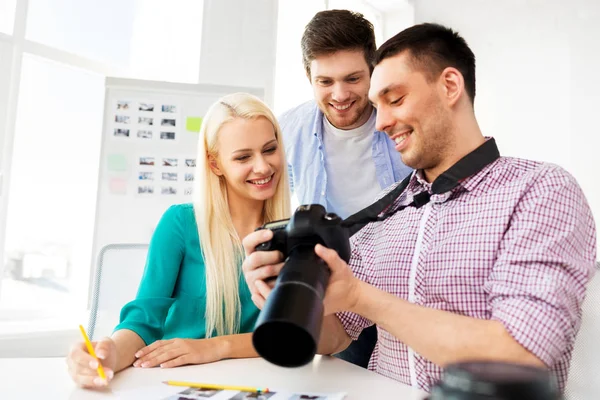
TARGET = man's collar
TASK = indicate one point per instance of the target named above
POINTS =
(467, 172)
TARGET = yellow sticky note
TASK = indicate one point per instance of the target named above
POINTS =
(116, 162)
(193, 124)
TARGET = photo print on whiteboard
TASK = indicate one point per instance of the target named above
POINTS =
(146, 176)
(144, 134)
(167, 135)
(190, 162)
(147, 107)
(123, 105)
(168, 122)
(145, 190)
(169, 108)
(169, 176)
(122, 119)
(146, 121)
(169, 162)
(187, 191)
(189, 177)
(120, 132)
(168, 190)
(147, 160)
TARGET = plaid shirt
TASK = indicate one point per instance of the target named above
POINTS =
(514, 243)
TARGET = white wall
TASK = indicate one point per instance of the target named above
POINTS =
(537, 86)
(238, 44)
(398, 19)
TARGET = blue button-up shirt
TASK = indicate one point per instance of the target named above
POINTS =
(302, 129)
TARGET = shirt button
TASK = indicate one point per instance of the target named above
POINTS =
(323, 193)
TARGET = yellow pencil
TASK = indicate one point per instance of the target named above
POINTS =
(92, 352)
(217, 387)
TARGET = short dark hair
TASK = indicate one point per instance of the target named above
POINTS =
(334, 30)
(433, 48)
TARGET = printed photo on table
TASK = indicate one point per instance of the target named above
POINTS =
(146, 107)
(121, 132)
(167, 135)
(252, 395)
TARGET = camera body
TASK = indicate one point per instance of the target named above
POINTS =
(309, 225)
(495, 380)
(288, 328)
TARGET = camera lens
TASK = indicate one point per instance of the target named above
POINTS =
(288, 328)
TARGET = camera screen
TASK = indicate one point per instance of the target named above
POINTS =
(277, 224)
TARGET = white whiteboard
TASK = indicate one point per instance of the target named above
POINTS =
(124, 212)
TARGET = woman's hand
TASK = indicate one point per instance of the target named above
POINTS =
(83, 367)
(260, 267)
(176, 352)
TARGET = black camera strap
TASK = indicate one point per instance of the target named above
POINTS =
(467, 166)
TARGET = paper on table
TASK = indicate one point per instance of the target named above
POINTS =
(200, 394)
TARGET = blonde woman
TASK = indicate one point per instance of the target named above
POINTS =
(193, 305)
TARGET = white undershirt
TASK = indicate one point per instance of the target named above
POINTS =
(351, 177)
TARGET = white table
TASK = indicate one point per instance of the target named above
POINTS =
(47, 378)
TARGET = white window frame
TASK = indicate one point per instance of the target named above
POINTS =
(19, 46)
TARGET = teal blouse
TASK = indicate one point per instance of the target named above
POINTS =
(171, 299)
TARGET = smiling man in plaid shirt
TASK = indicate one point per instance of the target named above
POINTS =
(474, 256)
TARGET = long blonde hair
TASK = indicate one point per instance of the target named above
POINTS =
(219, 241)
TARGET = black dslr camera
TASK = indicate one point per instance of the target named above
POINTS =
(288, 328)
(489, 380)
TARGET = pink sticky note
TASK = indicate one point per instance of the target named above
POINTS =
(117, 186)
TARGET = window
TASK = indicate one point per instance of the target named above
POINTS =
(52, 197)
(7, 15)
(149, 39)
(56, 86)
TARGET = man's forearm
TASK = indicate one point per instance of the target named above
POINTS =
(333, 336)
(440, 336)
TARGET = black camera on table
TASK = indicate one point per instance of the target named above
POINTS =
(288, 328)
(493, 380)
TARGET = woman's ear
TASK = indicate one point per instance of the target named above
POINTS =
(212, 161)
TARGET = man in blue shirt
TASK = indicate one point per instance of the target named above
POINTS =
(335, 155)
